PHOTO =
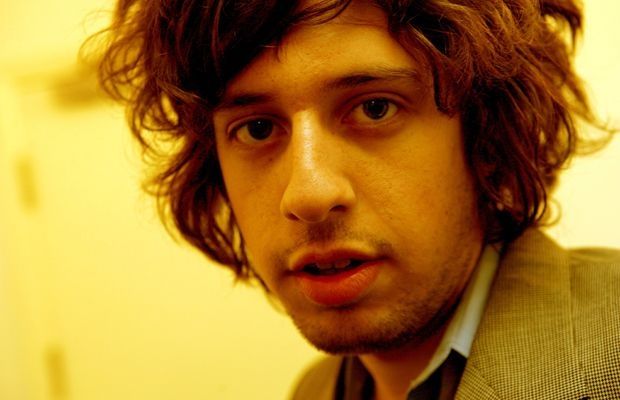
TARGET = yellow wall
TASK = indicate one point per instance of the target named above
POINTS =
(96, 302)
(589, 193)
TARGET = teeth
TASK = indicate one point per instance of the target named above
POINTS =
(340, 264)
(324, 267)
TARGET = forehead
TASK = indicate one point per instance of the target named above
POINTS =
(313, 55)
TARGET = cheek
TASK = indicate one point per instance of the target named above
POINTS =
(251, 209)
(426, 183)
(254, 203)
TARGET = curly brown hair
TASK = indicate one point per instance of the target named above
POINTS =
(503, 65)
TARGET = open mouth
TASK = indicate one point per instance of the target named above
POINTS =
(336, 280)
(321, 269)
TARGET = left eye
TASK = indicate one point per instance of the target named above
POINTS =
(374, 109)
(259, 129)
(256, 132)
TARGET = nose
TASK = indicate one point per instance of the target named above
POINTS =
(317, 185)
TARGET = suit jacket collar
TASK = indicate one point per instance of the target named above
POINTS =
(525, 342)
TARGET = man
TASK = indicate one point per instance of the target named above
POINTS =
(379, 167)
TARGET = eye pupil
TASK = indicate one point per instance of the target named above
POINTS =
(260, 129)
(376, 108)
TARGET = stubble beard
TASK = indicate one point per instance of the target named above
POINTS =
(351, 330)
(404, 319)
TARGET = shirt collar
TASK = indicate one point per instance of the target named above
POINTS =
(462, 328)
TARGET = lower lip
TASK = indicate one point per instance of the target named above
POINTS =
(339, 289)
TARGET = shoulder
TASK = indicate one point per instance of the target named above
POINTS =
(595, 305)
(595, 274)
(551, 309)
(589, 274)
(319, 380)
(535, 250)
(595, 279)
(602, 257)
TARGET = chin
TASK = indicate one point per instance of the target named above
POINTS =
(345, 331)
(343, 344)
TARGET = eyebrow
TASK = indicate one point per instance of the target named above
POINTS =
(378, 74)
(348, 81)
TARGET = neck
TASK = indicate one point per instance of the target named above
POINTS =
(393, 371)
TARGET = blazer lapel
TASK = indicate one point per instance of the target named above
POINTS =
(524, 347)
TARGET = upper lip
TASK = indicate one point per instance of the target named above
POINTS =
(302, 259)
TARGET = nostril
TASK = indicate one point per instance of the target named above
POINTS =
(311, 204)
(291, 216)
(338, 207)
(312, 210)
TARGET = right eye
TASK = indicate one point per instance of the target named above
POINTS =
(255, 131)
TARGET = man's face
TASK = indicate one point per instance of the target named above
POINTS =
(351, 190)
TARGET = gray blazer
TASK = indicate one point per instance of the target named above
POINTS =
(551, 329)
